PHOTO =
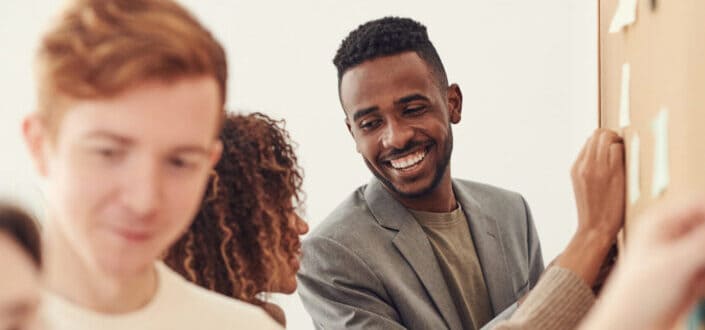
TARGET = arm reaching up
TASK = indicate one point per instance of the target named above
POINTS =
(563, 295)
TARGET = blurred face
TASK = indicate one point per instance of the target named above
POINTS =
(126, 174)
(400, 120)
(19, 286)
(286, 279)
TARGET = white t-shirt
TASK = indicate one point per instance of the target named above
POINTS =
(177, 304)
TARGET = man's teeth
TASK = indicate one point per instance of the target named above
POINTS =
(409, 160)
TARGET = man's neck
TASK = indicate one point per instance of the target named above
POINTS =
(67, 275)
(441, 199)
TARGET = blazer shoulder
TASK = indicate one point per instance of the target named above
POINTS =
(507, 208)
(489, 195)
(350, 219)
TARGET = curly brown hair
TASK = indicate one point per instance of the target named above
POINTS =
(242, 235)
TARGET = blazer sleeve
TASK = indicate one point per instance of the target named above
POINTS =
(536, 266)
(340, 291)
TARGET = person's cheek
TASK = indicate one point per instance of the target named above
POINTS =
(184, 196)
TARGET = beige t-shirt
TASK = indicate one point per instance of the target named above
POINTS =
(177, 305)
(452, 243)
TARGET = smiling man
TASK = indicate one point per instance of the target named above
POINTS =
(414, 248)
(131, 96)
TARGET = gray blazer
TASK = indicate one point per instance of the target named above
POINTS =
(369, 265)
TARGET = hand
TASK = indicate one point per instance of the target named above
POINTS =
(598, 184)
(662, 272)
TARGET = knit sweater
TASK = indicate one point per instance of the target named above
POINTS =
(560, 300)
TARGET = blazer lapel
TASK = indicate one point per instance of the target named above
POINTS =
(412, 243)
(490, 252)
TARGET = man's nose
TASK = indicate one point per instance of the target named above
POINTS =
(396, 135)
(142, 191)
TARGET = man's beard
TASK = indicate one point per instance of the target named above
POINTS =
(439, 172)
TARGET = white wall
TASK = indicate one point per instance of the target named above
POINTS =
(527, 69)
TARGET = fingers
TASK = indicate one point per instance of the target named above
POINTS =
(691, 245)
(607, 138)
(616, 156)
(671, 219)
(686, 254)
(685, 220)
(603, 149)
(598, 147)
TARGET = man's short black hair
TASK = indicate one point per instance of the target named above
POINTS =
(388, 36)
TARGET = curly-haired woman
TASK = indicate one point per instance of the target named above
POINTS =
(244, 241)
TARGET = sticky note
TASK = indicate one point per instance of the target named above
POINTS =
(624, 15)
(634, 184)
(661, 175)
(624, 112)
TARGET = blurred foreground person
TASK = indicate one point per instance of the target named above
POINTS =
(662, 273)
(131, 96)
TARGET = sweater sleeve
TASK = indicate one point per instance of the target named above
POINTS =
(559, 301)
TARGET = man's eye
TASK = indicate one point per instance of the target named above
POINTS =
(369, 124)
(108, 153)
(177, 162)
(414, 110)
(181, 163)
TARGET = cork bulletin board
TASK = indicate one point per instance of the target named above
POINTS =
(652, 91)
(664, 49)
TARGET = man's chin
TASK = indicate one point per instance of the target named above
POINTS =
(413, 194)
(409, 191)
(416, 187)
(419, 187)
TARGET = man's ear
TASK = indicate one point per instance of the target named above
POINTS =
(216, 153)
(455, 103)
(36, 138)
